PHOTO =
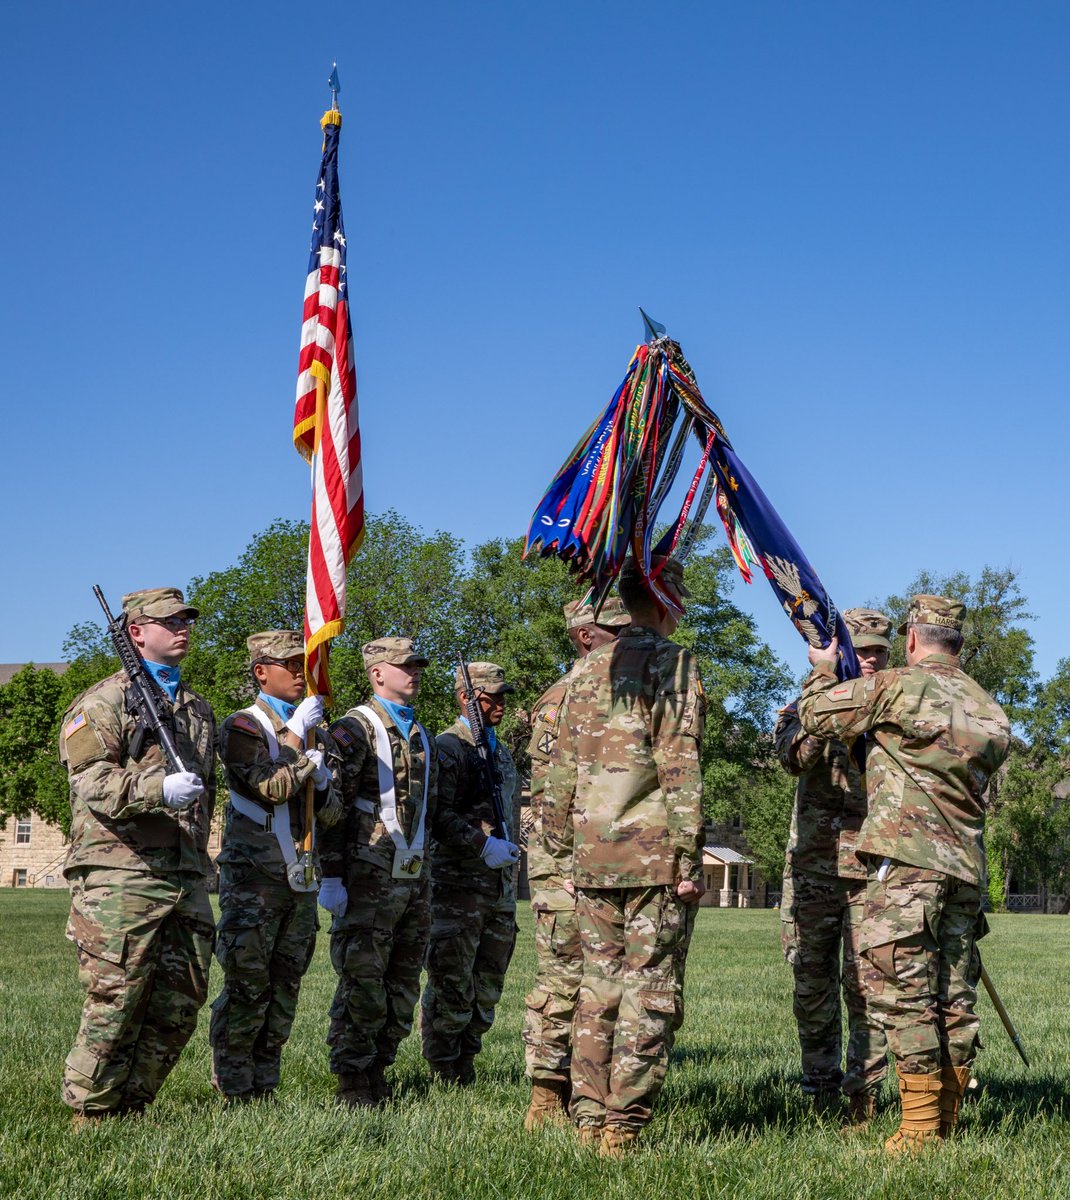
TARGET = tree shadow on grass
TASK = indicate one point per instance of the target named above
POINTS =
(764, 1099)
(1010, 1104)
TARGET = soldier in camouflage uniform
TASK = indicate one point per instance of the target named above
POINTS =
(559, 960)
(473, 889)
(936, 738)
(824, 898)
(625, 798)
(267, 927)
(376, 872)
(138, 868)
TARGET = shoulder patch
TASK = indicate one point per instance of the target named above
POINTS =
(245, 723)
(549, 715)
(342, 735)
(74, 724)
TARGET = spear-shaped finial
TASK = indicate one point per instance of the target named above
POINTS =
(652, 330)
(334, 85)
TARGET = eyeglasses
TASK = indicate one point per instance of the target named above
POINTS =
(174, 624)
(296, 666)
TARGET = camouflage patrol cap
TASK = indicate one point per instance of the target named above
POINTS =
(155, 604)
(275, 643)
(868, 627)
(935, 610)
(671, 573)
(486, 677)
(612, 614)
(398, 651)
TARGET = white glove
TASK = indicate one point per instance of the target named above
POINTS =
(333, 897)
(307, 715)
(181, 789)
(497, 853)
(321, 776)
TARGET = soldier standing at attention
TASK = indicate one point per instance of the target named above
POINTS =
(559, 960)
(626, 787)
(376, 873)
(267, 927)
(936, 739)
(473, 892)
(824, 899)
(138, 868)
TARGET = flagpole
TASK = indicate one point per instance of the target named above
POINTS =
(321, 409)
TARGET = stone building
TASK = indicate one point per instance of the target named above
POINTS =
(32, 853)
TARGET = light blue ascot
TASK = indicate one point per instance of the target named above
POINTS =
(283, 707)
(403, 716)
(166, 677)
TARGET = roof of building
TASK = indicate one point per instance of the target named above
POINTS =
(723, 854)
(8, 671)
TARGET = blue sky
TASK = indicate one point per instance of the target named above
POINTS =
(852, 216)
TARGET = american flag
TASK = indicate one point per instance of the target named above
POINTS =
(326, 432)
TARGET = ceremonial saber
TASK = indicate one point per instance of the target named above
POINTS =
(1004, 1016)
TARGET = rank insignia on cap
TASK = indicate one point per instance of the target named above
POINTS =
(245, 723)
(74, 724)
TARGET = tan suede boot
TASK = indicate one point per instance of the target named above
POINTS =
(861, 1109)
(919, 1124)
(378, 1083)
(616, 1143)
(549, 1102)
(354, 1090)
(589, 1135)
(954, 1081)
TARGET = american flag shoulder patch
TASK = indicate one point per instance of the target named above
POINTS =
(245, 723)
(342, 736)
(74, 724)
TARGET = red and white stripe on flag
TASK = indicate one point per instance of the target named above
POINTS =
(326, 430)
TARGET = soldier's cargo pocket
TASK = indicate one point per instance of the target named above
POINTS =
(101, 957)
(535, 1002)
(82, 1064)
(657, 1019)
(895, 940)
(789, 936)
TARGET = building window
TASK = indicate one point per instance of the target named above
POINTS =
(19, 879)
(22, 832)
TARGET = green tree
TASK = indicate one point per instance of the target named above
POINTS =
(31, 778)
(1028, 826)
(997, 650)
(744, 683)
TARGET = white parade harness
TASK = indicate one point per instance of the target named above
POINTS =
(279, 819)
(408, 857)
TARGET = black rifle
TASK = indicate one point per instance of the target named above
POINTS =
(142, 688)
(488, 768)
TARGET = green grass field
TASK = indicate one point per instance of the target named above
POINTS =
(731, 1122)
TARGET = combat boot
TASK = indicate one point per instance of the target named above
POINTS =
(354, 1090)
(442, 1071)
(589, 1135)
(861, 1109)
(81, 1121)
(549, 1102)
(378, 1083)
(826, 1103)
(465, 1069)
(617, 1143)
(919, 1124)
(954, 1080)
